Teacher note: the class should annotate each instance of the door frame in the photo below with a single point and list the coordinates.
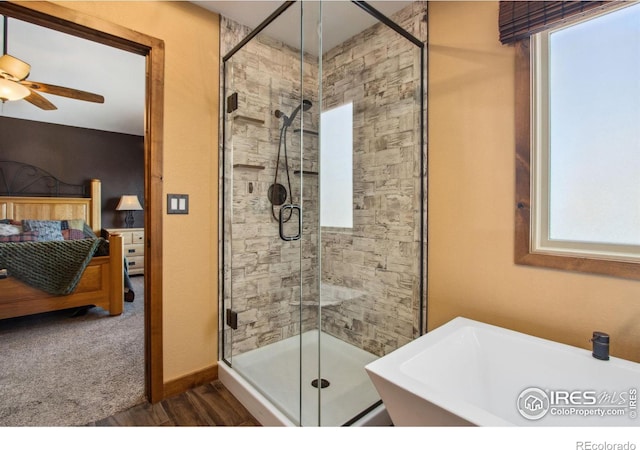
(75, 23)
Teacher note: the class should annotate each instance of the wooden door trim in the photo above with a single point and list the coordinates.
(78, 24)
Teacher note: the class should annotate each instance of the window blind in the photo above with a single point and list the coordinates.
(520, 19)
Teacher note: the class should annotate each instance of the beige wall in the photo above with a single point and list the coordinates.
(471, 200)
(191, 35)
(471, 196)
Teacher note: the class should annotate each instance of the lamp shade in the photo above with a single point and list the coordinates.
(10, 90)
(129, 203)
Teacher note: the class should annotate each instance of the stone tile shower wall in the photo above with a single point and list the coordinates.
(266, 271)
(371, 274)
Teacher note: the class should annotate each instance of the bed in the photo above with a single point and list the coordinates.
(101, 283)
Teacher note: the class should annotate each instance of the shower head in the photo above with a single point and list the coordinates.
(306, 105)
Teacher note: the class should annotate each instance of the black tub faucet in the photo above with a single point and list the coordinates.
(600, 342)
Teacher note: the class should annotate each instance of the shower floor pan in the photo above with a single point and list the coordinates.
(267, 382)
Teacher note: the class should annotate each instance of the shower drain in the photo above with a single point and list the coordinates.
(323, 383)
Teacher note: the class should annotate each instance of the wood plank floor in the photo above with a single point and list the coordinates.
(209, 405)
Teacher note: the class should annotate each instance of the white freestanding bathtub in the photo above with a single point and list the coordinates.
(471, 373)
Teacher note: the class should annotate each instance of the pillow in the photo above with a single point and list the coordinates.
(72, 224)
(70, 234)
(48, 230)
(74, 229)
(7, 229)
(27, 236)
(80, 225)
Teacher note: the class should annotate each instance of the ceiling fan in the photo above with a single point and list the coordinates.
(15, 86)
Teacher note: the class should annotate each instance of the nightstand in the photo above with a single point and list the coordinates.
(133, 246)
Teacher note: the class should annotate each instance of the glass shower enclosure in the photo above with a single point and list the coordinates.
(323, 202)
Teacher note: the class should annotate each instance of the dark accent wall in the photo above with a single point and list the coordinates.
(76, 155)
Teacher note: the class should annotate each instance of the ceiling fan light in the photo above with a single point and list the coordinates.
(14, 68)
(10, 90)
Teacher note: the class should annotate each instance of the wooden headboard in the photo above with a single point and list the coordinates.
(56, 208)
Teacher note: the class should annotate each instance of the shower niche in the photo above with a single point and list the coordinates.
(323, 249)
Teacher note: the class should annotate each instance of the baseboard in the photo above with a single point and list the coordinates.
(190, 381)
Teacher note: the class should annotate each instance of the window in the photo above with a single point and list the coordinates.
(336, 167)
(586, 144)
(580, 152)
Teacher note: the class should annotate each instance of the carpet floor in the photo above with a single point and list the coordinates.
(59, 370)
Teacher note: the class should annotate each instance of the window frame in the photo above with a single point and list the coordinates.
(541, 242)
(523, 253)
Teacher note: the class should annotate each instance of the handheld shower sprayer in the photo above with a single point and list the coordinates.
(277, 193)
(306, 105)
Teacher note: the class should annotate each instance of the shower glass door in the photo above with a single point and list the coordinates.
(264, 268)
(323, 194)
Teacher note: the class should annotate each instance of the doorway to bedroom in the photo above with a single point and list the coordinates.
(126, 338)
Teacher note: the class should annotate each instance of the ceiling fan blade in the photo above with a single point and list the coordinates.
(63, 91)
(38, 100)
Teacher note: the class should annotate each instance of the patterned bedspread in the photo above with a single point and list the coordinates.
(52, 266)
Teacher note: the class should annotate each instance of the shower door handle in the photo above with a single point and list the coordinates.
(281, 221)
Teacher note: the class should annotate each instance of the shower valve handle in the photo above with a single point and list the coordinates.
(281, 221)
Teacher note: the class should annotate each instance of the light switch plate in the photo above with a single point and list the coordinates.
(177, 204)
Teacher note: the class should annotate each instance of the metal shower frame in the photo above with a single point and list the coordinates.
(423, 165)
